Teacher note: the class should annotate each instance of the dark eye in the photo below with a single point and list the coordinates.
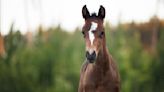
(101, 34)
(83, 33)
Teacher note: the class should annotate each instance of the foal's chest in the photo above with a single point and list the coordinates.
(92, 79)
(95, 80)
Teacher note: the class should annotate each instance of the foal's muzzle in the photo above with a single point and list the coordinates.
(91, 57)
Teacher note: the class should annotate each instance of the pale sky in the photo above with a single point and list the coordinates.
(28, 14)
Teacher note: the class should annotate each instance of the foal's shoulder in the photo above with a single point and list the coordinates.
(114, 68)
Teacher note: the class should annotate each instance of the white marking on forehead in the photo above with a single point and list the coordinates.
(92, 28)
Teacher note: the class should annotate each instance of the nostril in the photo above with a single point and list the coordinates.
(91, 56)
(94, 54)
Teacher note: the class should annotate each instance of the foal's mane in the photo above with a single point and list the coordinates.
(93, 15)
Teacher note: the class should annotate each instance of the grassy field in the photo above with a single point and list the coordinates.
(50, 60)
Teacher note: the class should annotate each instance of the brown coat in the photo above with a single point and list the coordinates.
(101, 76)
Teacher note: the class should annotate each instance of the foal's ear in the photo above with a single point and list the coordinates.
(85, 12)
(101, 13)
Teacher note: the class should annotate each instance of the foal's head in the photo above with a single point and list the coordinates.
(93, 32)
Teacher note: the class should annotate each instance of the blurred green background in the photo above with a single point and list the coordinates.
(50, 60)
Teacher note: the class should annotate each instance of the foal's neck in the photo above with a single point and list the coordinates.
(103, 58)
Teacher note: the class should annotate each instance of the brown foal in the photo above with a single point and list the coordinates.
(99, 72)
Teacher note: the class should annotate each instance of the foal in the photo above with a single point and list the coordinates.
(99, 72)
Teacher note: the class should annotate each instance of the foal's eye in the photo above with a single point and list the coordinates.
(83, 33)
(101, 34)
